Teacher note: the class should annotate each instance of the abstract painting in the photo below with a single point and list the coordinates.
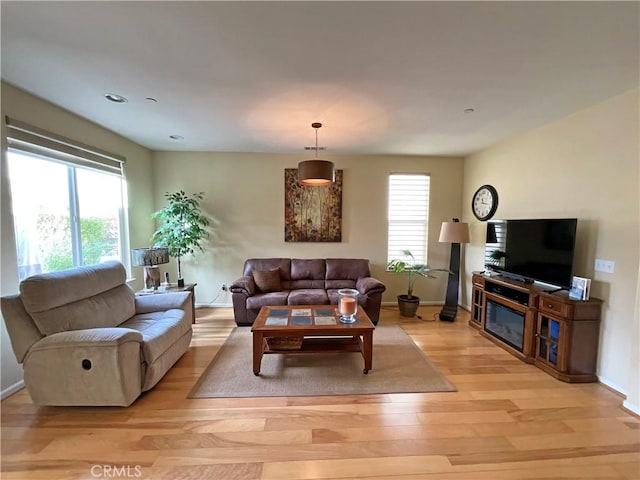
(312, 214)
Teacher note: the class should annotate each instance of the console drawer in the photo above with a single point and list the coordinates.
(555, 306)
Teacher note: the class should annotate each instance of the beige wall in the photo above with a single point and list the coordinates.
(585, 166)
(27, 108)
(244, 193)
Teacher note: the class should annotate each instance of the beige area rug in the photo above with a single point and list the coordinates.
(399, 366)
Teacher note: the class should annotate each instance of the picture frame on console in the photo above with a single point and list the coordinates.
(580, 288)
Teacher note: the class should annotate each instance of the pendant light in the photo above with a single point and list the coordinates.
(316, 173)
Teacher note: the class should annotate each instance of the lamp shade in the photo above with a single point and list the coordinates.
(144, 257)
(316, 173)
(454, 232)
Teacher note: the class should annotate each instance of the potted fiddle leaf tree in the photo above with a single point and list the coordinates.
(408, 303)
(182, 226)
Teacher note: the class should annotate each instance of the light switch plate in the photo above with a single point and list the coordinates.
(605, 266)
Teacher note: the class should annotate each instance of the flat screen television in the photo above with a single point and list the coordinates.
(532, 250)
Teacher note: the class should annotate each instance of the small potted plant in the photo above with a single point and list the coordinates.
(408, 304)
(182, 226)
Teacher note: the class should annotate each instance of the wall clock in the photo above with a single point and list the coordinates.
(484, 202)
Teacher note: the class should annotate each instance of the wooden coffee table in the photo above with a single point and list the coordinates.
(316, 329)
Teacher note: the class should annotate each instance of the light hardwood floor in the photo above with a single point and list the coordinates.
(508, 420)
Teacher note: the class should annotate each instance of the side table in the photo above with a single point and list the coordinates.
(188, 287)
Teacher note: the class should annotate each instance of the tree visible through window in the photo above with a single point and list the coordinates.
(64, 215)
(408, 216)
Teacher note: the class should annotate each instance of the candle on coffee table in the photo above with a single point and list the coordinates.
(347, 306)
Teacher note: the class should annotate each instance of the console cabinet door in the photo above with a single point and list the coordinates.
(477, 307)
(551, 337)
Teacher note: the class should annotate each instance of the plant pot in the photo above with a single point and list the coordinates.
(407, 305)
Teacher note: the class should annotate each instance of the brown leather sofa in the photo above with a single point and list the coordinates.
(294, 281)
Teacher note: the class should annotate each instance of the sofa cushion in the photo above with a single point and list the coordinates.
(347, 268)
(267, 280)
(308, 296)
(108, 309)
(296, 284)
(160, 330)
(91, 296)
(343, 283)
(283, 264)
(260, 300)
(307, 269)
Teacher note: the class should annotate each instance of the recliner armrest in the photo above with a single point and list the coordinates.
(89, 337)
(369, 285)
(162, 302)
(244, 285)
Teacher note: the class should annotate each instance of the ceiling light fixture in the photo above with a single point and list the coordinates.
(316, 173)
(114, 97)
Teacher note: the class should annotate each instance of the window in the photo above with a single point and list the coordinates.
(496, 243)
(408, 215)
(66, 211)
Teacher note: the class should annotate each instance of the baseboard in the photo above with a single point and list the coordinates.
(429, 303)
(11, 389)
(631, 408)
(617, 389)
(612, 386)
(210, 305)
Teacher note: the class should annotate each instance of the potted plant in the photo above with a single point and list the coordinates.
(408, 304)
(182, 226)
(496, 257)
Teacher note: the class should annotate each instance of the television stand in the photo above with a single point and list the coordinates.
(555, 333)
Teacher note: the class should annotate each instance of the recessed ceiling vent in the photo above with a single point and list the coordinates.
(114, 97)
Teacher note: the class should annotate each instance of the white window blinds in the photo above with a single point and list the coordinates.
(408, 215)
(30, 139)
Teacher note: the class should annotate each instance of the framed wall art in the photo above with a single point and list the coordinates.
(312, 214)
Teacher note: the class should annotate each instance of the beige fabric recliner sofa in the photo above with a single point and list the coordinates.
(84, 338)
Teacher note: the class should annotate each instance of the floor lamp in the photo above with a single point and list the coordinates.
(455, 233)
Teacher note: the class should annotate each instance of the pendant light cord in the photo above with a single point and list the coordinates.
(316, 125)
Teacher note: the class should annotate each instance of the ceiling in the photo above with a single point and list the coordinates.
(383, 77)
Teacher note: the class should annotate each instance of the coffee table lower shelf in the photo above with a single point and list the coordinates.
(353, 344)
(322, 345)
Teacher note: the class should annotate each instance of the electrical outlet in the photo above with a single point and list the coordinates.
(606, 266)
(224, 287)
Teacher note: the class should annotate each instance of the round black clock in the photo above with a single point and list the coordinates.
(484, 202)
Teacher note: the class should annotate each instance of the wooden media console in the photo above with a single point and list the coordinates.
(557, 334)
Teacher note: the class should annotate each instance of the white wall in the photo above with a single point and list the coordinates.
(586, 166)
(138, 170)
(244, 193)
